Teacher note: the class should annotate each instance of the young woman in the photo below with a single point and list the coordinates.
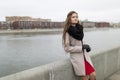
(73, 44)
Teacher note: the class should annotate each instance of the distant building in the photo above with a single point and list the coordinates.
(117, 25)
(88, 24)
(102, 24)
(36, 25)
(4, 25)
(12, 19)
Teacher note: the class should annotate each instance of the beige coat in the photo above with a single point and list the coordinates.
(74, 47)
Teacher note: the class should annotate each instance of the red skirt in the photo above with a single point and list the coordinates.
(88, 68)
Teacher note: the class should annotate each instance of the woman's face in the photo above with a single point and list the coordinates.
(74, 18)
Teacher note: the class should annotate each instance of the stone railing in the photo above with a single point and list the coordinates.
(106, 63)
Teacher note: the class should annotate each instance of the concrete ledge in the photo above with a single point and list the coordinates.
(106, 63)
(60, 70)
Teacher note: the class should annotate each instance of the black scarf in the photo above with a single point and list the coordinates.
(76, 31)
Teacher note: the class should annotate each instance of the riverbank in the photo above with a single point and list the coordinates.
(24, 31)
(44, 31)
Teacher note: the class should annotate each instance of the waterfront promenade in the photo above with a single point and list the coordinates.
(108, 57)
(106, 63)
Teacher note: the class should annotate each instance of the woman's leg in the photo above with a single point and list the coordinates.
(85, 77)
(93, 76)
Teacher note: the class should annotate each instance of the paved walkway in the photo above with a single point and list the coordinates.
(115, 76)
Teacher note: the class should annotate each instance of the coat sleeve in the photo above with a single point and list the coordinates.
(71, 49)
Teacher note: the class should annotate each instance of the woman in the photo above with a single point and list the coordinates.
(73, 44)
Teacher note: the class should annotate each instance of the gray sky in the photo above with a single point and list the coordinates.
(93, 10)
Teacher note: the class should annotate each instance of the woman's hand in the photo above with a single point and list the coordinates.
(87, 47)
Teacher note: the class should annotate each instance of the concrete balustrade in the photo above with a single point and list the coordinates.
(106, 63)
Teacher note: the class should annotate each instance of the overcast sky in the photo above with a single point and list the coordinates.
(93, 10)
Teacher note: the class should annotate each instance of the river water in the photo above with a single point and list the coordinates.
(19, 52)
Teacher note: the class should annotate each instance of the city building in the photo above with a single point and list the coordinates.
(88, 24)
(12, 19)
(4, 25)
(102, 24)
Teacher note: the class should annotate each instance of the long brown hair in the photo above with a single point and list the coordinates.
(66, 26)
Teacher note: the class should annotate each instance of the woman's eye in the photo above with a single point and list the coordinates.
(75, 17)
